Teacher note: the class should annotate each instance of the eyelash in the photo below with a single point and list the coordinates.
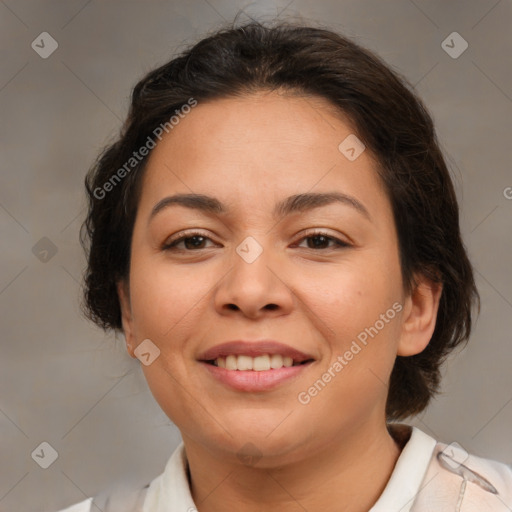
(338, 244)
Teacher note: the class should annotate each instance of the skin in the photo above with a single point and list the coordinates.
(334, 453)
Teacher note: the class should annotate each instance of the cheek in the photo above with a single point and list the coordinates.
(166, 298)
(358, 305)
(176, 395)
(351, 296)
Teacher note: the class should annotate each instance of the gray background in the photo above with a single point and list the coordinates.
(65, 382)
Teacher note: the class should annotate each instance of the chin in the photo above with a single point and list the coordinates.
(268, 447)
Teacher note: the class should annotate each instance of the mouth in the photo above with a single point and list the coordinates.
(254, 366)
(261, 363)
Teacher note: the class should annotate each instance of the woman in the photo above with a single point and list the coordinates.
(276, 234)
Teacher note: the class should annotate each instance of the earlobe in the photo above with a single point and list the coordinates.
(420, 316)
(126, 316)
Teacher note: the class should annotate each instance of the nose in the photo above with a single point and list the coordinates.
(254, 287)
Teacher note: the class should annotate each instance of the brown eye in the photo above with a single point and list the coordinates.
(320, 240)
(194, 242)
(191, 242)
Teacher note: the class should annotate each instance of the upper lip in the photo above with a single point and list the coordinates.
(253, 349)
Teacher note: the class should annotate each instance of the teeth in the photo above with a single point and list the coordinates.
(258, 363)
(244, 363)
(276, 361)
(231, 363)
(261, 363)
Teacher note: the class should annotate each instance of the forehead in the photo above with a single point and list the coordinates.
(277, 121)
(261, 145)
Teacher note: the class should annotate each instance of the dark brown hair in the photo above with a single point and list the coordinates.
(387, 116)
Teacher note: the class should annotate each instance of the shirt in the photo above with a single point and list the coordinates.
(427, 476)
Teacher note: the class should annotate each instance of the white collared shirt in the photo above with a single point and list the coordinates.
(170, 491)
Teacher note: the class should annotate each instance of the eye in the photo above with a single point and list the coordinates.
(196, 240)
(191, 241)
(321, 240)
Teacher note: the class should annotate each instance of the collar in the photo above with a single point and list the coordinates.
(410, 469)
(171, 490)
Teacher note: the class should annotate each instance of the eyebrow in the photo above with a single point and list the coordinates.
(293, 204)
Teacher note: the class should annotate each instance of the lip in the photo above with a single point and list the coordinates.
(252, 381)
(253, 349)
(249, 380)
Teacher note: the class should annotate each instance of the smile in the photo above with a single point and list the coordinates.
(260, 378)
(259, 363)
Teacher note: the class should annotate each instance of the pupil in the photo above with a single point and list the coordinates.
(323, 240)
(188, 245)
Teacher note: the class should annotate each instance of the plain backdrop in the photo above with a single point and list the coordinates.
(65, 382)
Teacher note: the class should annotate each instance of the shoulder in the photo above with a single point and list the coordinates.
(430, 475)
(129, 495)
(121, 496)
(83, 506)
(455, 477)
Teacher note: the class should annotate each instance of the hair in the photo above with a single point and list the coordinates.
(388, 117)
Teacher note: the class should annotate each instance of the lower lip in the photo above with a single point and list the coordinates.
(249, 380)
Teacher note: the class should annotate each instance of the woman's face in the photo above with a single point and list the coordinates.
(319, 275)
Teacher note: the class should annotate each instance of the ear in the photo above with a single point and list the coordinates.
(126, 316)
(420, 315)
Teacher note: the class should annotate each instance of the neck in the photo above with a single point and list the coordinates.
(348, 473)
